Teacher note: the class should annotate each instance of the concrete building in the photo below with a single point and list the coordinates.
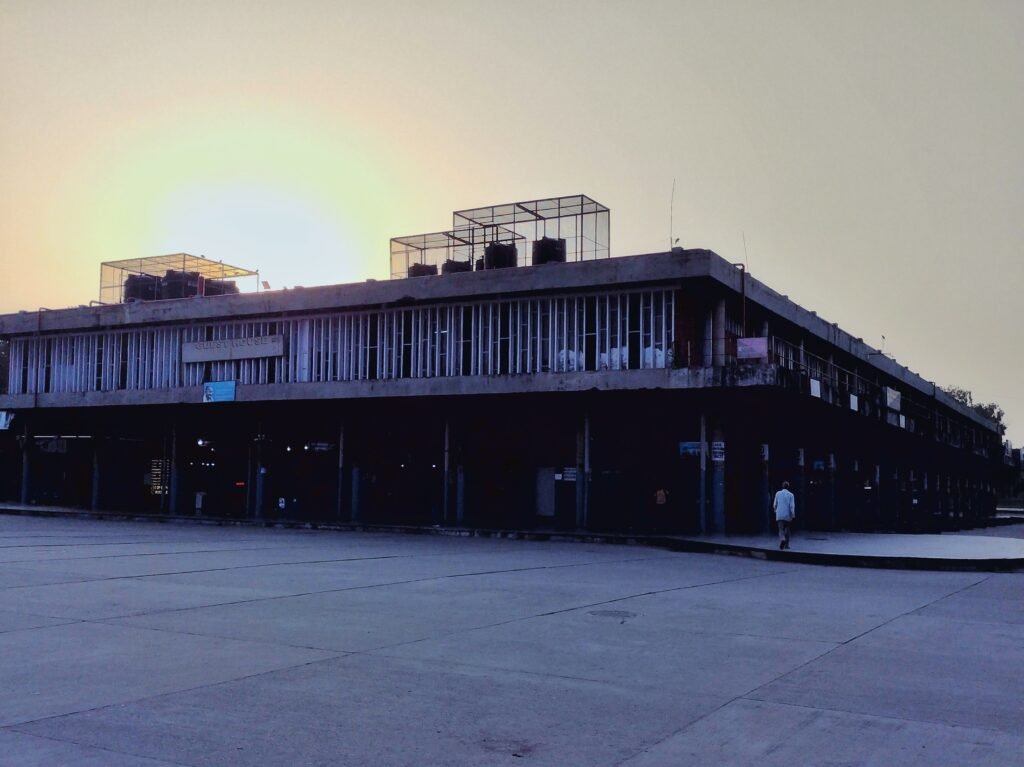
(668, 391)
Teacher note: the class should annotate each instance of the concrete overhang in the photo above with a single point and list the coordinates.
(605, 380)
(644, 269)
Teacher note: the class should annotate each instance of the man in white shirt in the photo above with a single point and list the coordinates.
(785, 512)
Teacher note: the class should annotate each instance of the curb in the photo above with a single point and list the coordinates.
(672, 543)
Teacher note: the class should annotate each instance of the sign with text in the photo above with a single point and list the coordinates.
(219, 391)
(718, 452)
(6, 416)
(232, 349)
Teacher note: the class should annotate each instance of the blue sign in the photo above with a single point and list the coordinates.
(219, 391)
(690, 448)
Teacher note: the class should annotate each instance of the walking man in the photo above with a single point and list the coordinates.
(785, 512)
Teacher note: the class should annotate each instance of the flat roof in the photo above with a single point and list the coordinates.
(156, 266)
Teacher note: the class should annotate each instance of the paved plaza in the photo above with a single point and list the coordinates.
(127, 644)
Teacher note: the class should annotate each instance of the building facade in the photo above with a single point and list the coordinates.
(669, 392)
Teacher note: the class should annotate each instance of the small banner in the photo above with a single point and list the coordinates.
(219, 391)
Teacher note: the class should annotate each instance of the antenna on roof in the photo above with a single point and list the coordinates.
(671, 217)
(746, 259)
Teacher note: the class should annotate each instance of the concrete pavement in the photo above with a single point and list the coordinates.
(163, 644)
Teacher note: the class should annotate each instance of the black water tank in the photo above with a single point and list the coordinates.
(498, 255)
(220, 288)
(141, 287)
(549, 250)
(451, 267)
(422, 270)
(177, 284)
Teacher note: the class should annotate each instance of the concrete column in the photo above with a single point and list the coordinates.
(26, 467)
(261, 475)
(801, 485)
(173, 481)
(765, 494)
(830, 512)
(446, 475)
(356, 510)
(709, 338)
(94, 496)
(581, 512)
(460, 496)
(339, 506)
(702, 503)
(718, 481)
(719, 330)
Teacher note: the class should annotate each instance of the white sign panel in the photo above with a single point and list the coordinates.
(854, 402)
(232, 349)
(718, 452)
(815, 387)
(892, 398)
(6, 416)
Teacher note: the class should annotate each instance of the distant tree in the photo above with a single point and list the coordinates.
(989, 410)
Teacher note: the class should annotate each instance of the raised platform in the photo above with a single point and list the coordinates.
(982, 551)
(947, 551)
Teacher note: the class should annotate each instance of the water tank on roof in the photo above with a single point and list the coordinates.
(549, 250)
(176, 284)
(422, 270)
(451, 267)
(499, 255)
(141, 287)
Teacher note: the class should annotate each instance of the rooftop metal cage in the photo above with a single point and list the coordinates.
(554, 229)
(177, 275)
(445, 252)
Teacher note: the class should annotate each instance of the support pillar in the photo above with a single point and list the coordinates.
(94, 496)
(339, 509)
(356, 511)
(581, 512)
(26, 467)
(460, 496)
(718, 457)
(261, 475)
(719, 332)
(801, 485)
(446, 475)
(765, 494)
(583, 475)
(708, 352)
(830, 512)
(174, 481)
(702, 501)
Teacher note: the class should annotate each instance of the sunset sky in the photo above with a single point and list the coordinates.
(872, 153)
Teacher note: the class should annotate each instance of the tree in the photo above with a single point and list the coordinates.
(989, 410)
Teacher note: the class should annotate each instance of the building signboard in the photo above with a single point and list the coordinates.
(219, 391)
(232, 349)
(752, 348)
(892, 398)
